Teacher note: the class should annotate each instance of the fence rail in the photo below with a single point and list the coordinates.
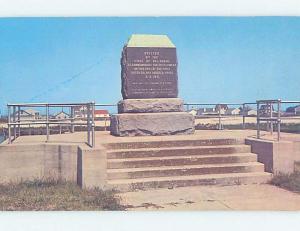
(14, 119)
(268, 116)
(221, 115)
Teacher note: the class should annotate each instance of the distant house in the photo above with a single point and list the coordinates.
(213, 111)
(28, 114)
(61, 115)
(233, 111)
(101, 114)
(80, 112)
(206, 111)
(222, 108)
(294, 110)
(251, 112)
(247, 111)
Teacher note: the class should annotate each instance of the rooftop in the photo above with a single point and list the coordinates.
(101, 111)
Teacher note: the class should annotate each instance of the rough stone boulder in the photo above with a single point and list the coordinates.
(150, 105)
(152, 124)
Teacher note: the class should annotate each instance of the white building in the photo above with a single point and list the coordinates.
(233, 111)
(80, 112)
(252, 112)
(61, 115)
(28, 114)
(101, 114)
(207, 111)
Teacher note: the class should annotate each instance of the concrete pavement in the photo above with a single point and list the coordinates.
(237, 197)
(103, 137)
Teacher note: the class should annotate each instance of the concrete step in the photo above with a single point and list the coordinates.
(133, 173)
(181, 181)
(177, 151)
(181, 160)
(173, 143)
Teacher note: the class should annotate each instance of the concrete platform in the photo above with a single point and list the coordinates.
(186, 160)
(237, 197)
(104, 137)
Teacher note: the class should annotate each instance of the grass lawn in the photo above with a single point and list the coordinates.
(51, 195)
(288, 181)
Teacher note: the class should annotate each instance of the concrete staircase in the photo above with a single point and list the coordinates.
(156, 164)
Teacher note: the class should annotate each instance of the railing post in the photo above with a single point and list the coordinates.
(47, 120)
(257, 121)
(93, 124)
(72, 119)
(267, 114)
(244, 126)
(8, 124)
(19, 118)
(88, 124)
(14, 121)
(271, 116)
(220, 126)
(278, 119)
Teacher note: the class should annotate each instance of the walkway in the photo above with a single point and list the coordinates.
(237, 197)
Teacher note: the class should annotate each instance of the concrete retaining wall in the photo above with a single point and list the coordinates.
(92, 165)
(80, 164)
(88, 167)
(25, 162)
(276, 156)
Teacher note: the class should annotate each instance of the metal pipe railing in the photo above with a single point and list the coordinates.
(12, 122)
(15, 123)
(93, 124)
(219, 115)
(257, 121)
(8, 124)
(47, 119)
(270, 119)
(278, 118)
(45, 122)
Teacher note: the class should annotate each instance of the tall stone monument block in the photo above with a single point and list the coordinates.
(150, 89)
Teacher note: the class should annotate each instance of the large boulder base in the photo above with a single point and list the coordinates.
(150, 105)
(152, 124)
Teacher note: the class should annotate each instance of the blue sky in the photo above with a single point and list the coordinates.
(221, 59)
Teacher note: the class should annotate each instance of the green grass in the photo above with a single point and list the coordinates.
(287, 181)
(45, 195)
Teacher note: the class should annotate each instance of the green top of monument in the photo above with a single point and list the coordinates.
(149, 40)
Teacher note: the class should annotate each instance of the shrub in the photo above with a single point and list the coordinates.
(287, 181)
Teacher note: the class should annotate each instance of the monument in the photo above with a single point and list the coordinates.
(150, 89)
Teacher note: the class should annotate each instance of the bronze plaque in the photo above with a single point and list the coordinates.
(149, 72)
